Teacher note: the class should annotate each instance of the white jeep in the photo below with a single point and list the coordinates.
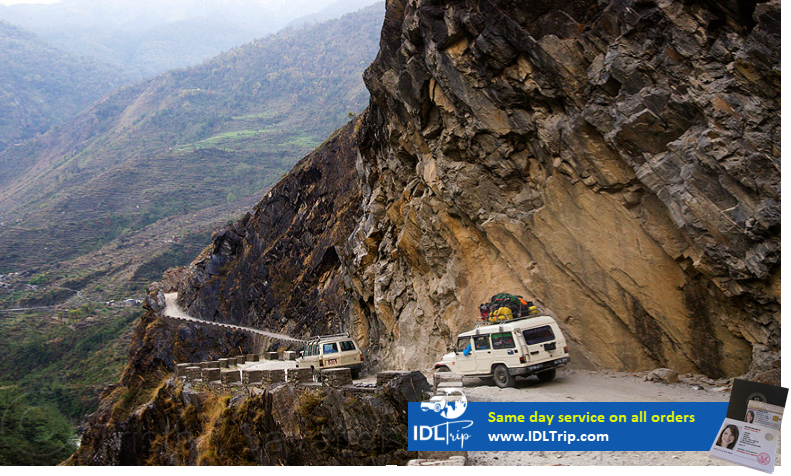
(327, 352)
(525, 346)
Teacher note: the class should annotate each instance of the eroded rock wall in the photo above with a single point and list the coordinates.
(280, 267)
(283, 424)
(616, 161)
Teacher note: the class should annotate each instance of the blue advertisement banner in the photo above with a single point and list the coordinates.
(536, 426)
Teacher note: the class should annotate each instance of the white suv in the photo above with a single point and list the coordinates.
(519, 347)
(327, 352)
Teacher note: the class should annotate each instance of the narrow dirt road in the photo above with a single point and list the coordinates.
(589, 386)
(173, 310)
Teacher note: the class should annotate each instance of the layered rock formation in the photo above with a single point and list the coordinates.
(617, 162)
(282, 425)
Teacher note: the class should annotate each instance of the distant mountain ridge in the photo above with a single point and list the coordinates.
(41, 86)
(149, 37)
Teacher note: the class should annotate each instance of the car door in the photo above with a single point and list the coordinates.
(465, 364)
(504, 348)
(540, 343)
(483, 354)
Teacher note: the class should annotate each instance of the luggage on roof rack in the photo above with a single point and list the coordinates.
(505, 306)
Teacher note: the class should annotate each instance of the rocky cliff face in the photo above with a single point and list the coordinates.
(616, 161)
(281, 425)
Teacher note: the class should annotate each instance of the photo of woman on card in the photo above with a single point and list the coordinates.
(750, 416)
(728, 437)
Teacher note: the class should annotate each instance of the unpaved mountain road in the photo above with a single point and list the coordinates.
(173, 310)
(589, 386)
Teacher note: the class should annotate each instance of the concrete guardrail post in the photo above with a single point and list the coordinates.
(252, 377)
(336, 377)
(230, 377)
(299, 375)
(210, 375)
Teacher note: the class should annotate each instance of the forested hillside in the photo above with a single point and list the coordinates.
(181, 142)
(41, 86)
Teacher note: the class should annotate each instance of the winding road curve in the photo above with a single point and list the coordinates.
(173, 311)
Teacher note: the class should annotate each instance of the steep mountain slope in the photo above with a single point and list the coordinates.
(41, 86)
(101, 206)
(619, 162)
(184, 141)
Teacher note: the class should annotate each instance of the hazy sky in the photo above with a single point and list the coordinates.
(13, 2)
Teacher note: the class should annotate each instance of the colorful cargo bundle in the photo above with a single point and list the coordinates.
(504, 307)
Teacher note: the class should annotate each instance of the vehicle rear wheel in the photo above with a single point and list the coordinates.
(443, 368)
(546, 375)
(502, 378)
(356, 373)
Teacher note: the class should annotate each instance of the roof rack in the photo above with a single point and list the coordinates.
(520, 318)
(328, 336)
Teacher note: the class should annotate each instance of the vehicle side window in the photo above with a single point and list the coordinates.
(330, 348)
(503, 341)
(482, 343)
(347, 345)
(462, 344)
(538, 335)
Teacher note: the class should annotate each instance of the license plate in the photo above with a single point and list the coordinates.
(332, 361)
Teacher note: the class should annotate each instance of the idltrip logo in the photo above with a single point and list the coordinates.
(450, 406)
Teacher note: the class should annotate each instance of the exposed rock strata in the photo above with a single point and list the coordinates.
(281, 425)
(279, 267)
(616, 161)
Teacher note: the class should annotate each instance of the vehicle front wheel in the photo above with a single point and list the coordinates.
(502, 378)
